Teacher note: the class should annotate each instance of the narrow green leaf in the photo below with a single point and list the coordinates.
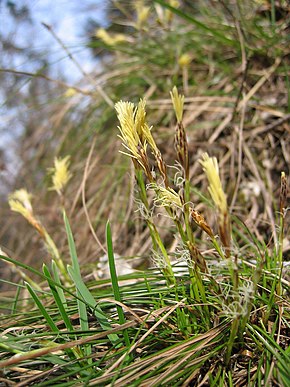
(114, 280)
(42, 309)
(72, 247)
(89, 299)
(58, 300)
(196, 22)
(82, 308)
(58, 288)
(34, 271)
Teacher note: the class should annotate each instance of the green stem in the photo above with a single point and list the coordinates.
(156, 240)
(234, 331)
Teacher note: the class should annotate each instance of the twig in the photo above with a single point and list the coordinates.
(83, 189)
(79, 67)
(43, 76)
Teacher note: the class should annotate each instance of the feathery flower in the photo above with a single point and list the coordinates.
(166, 197)
(23, 198)
(184, 60)
(19, 201)
(178, 102)
(142, 13)
(135, 132)
(211, 169)
(108, 39)
(60, 174)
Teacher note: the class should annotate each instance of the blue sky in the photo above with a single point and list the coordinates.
(67, 18)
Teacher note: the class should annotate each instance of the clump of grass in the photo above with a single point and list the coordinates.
(220, 315)
(211, 318)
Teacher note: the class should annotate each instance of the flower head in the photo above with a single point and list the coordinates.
(19, 201)
(20, 198)
(70, 92)
(135, 132)
(210, 166)
(142, 13)
(178, 101)
(184, 60)
(60, 174)
(108, 39)
(211, 169)
(166, 197)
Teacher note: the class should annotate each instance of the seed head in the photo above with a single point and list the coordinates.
(108, 39)
(60, 174)
(184, 60)
(211, 169)
(178, 101)
(19, 201)
(142, 13)
(135, 132)
(166, 197)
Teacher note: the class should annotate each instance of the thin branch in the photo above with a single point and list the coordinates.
(43, 76)
(79, 67)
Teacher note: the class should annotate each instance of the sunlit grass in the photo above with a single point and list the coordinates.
(207, 302)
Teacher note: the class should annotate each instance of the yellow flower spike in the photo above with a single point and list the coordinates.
(108, 39)
(135, 132)
(211, 169)
(174, 3)
(184, 60)
(22, 197)
(60, 174)
(129, 136)
(70, 93)
(142, 127)
(19, 201)
(17, 206)
(142, 13)
(178, 101)
(140, 116)
(166, 197)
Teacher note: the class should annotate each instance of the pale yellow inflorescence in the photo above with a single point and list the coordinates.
(184, 60)
(130, 137)
(60, 174)
(20, 201)
(142, 13)
(210, 167)
(166, 197)
(108, 39)
(178, 102)
(22, 196)
(135, 132)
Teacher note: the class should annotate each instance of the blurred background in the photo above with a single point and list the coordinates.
(63, 66)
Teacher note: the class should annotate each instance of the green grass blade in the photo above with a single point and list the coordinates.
(34, 271)
(14, 305)
(114, 280)
(58, 288)
(82, 290)
(58, 300)
(72, 247)
(88, 297)
(42, 309)
(219, 36)
(82, 308)
(270, 344)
